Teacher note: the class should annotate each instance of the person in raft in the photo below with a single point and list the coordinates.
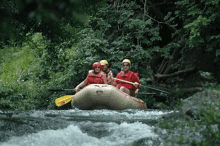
(108, 72)
(130, 76)
(95, 76)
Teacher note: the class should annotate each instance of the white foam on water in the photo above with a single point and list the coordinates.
(145, 114)
(37, 114)
(100, 128)
(127, 113)
(119, 134)
(70, 136)
(126, 133)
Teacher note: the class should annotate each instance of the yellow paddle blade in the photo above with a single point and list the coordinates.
(63, 100)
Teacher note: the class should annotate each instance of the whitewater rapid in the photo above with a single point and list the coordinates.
(80, 128)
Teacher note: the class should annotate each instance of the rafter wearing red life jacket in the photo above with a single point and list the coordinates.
(129, 76)
(95, 78)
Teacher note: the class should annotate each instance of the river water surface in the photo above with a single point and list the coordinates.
(76, 127)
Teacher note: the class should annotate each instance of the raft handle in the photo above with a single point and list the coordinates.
(99, 91)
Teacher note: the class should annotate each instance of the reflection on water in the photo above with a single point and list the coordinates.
(80, 127)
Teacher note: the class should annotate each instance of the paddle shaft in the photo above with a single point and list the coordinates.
(61, 89)
(142, 85)
(123, 81)
(155, 89)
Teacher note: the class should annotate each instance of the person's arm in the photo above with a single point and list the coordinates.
(81, 85)
(104, 79)
(115, 82)
(135, 79)
(110, 80)
(109, 77)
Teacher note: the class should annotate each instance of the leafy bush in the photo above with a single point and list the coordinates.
(21, 84)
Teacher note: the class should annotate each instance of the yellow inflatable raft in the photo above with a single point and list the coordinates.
(103, 96)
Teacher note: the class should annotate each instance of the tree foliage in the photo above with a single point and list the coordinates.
(162, 39)
(200, 23)
(49, 17)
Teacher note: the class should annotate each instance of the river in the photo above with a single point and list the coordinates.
(76, 127)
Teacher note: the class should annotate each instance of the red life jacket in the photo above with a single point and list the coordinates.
(130, 76)
(95, 78)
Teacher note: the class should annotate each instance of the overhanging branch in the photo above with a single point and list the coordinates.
(159, 76)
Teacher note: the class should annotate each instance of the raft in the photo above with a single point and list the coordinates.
(103, 96)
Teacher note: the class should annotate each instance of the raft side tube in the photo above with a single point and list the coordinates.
(103, 96)
(81, 99)
(99, 96)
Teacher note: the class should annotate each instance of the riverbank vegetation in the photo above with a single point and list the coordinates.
(172, 45)
(203, 129)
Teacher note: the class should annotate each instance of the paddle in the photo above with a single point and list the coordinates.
(63, 100)
(61, 89)
(143, 93)
(162, 92)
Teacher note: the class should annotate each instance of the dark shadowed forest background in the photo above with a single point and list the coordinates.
(52, 44)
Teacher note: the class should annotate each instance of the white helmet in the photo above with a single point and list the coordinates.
(126, 61)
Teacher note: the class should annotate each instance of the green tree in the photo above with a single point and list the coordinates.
(19, 17)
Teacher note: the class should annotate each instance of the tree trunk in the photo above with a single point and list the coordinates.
(159, 76)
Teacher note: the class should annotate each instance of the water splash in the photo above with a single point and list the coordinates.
(78, 127)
